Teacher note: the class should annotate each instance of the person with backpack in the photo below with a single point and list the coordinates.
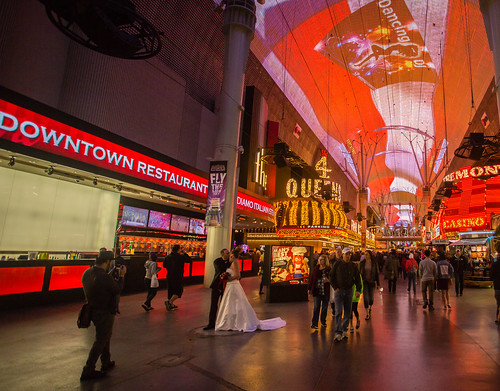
(444, 275)
(411, 272)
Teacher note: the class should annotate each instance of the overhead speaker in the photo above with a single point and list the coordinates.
(346, 206)
(281, 161)
(281, 149)
(448, 192)
(111, 27)
(359, 216)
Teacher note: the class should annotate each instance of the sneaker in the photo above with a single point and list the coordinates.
(425, 306)
(351, 329)
(146, 308)
(358, 323)
(174, 306)
(323, 324)
(314, 327)
(449, 306)
(444, 307)
(344, 335)
(338, 337)
(107, 366)
(150, 308)
(91, 374)
(367, 317)
(168, 306)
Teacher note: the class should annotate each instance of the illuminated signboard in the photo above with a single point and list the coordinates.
(472, 172)
(260, 175)
(290, 265)
(315, 187)
(37, 131)
(466, 222)
(22, 126)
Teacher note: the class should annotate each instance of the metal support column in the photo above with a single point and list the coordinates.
(239, 27)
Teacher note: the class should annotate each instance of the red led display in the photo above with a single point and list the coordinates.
(66, 277)
(198, 268)
(162, 274)
(15, 280)
(247, 264)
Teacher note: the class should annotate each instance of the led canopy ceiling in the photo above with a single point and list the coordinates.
(380, 69)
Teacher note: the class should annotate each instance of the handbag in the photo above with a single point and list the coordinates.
(84, 317)
(154, 281)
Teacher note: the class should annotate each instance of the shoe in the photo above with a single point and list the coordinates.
(323, 324)
(338, 337)
(107, 366)
(261, 293)
(431, 308)
(344, 335)
(358, 323)
(449, 306)
(314, 327)
(146, 308)
(425, 306)
(460, 294)
(444, 307)
(174, 306)
(351, 329)
(168, 306)
(91, 374)
(150, 308)
(209, 327)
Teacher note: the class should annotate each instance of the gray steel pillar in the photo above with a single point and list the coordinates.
(239, 27)
(491, 16)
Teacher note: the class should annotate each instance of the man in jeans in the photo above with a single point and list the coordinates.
(428, 274)
(343, 276)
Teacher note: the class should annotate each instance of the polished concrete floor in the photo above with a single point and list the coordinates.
(402, 347)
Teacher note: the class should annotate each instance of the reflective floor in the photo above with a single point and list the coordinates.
(402, 347)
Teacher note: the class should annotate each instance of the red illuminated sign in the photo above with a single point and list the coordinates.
(34, 130)
(15, 280)
(66, 277)
(25, 127)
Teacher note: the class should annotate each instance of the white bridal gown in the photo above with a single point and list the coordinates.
(236, 313)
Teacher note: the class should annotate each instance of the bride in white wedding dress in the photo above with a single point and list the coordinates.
(235, 312)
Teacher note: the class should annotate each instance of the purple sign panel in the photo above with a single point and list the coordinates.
(216, 193)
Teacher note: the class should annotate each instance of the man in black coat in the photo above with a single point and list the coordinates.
(101, 291)
(459, 263)
(221, 264)
(174, 263)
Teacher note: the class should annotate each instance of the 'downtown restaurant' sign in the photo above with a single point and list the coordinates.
(30, 129)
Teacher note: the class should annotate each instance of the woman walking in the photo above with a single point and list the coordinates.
(391, 271)
(368, 269)
(319, 288)
(151, 274)
(445, 271)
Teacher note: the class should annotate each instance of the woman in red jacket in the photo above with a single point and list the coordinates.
(319, 288)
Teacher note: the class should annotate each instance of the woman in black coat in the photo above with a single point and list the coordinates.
(319, 288)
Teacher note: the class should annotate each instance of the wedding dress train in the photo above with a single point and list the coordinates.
(236, 313)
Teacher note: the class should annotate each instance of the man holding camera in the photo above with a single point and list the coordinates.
(101, 291)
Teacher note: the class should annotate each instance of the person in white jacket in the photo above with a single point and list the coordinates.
(151, 270)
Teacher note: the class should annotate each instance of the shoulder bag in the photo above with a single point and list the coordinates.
(154, 281)
(84, 317)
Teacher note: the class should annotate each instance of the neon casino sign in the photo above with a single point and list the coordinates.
(313, 187)
(473, 172)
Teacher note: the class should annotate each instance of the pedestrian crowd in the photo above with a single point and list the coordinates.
(338, 280)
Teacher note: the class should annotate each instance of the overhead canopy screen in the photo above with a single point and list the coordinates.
(367, 71)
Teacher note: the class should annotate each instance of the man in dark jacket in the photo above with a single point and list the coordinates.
(459, 263)
(221, 264)
(342, 278)
(101, 291)
(174, 263)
